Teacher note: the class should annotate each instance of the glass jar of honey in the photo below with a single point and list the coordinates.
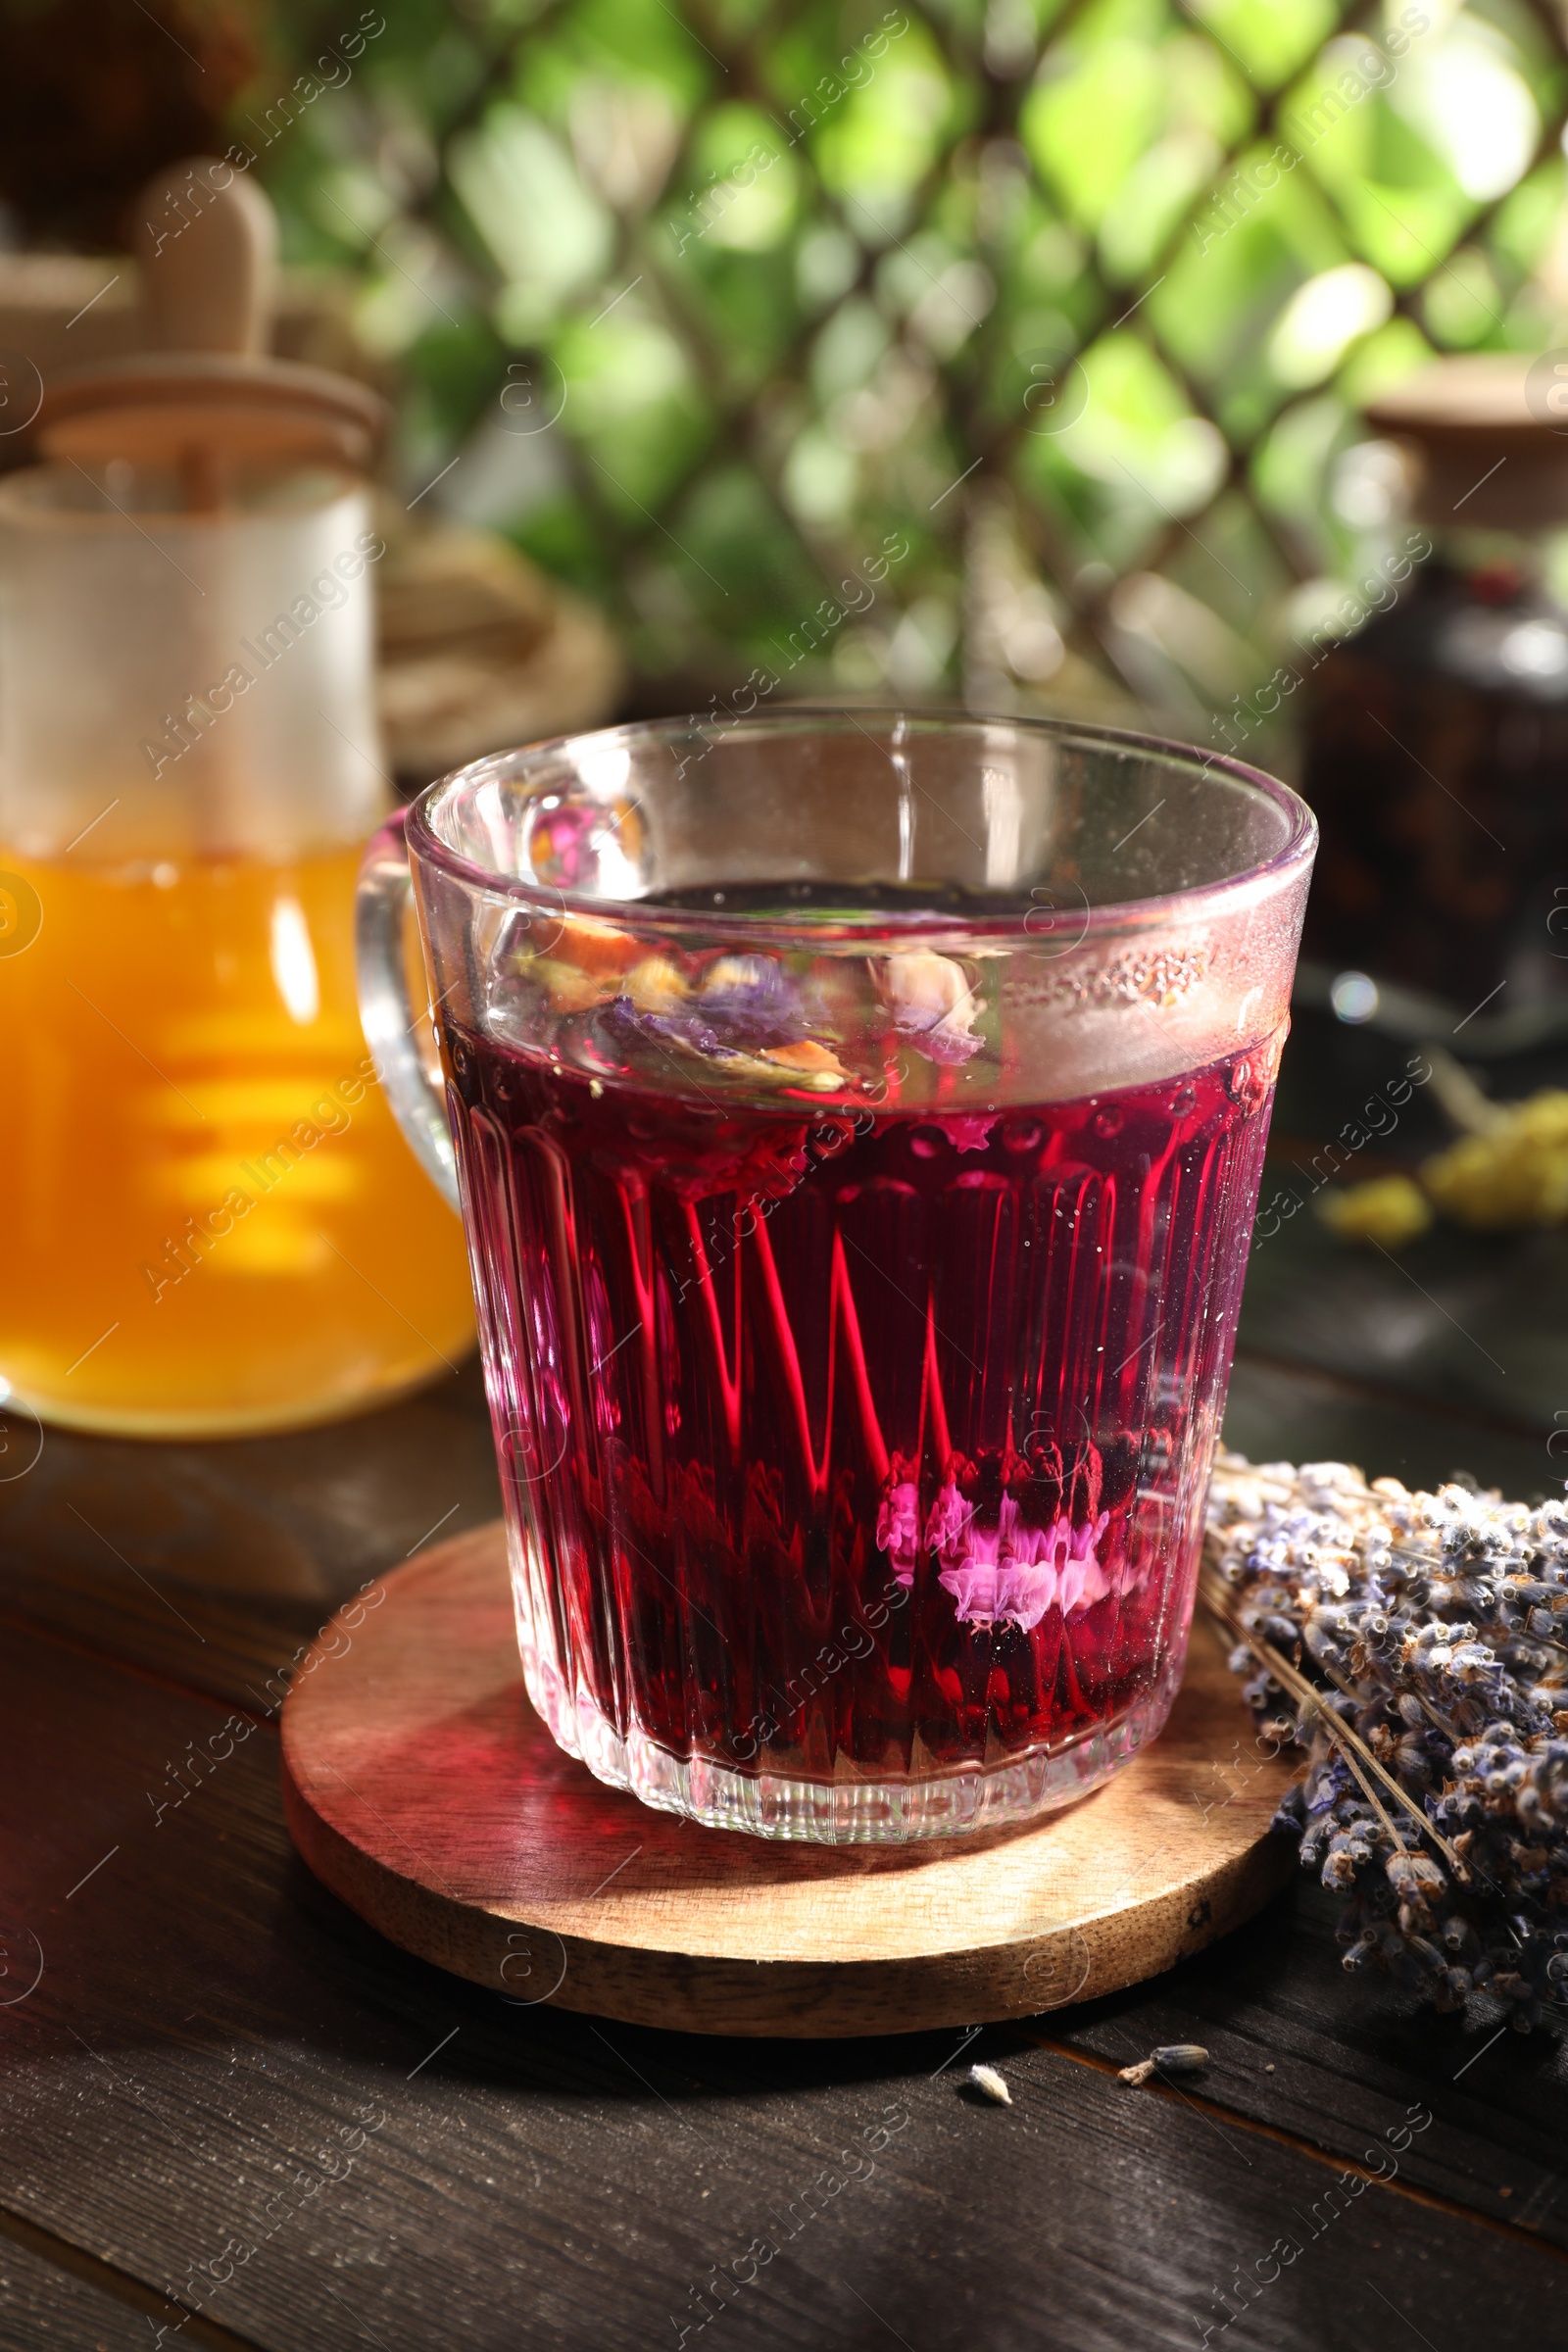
(212, 1224)
(1437, 735)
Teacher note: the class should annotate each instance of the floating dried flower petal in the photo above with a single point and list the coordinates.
(745, 1019)
(596, 945)
(809, 1064)
(656, 986)
(931, 1003)
(568, 988)
(752, 1001)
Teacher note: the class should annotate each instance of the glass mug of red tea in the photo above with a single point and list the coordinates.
(857, 1121)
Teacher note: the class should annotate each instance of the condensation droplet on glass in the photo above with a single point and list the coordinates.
(926, 1142)
(1107, 1121)
(1019, 1135)
(1182, 1101)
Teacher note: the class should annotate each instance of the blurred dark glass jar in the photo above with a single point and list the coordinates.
(1436, 736)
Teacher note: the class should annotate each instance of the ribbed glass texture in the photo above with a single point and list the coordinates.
(863, 1503)
(859, 1119)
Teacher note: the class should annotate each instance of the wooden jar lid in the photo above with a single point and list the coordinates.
(1490, 452)
(152, 409)
(205, 397)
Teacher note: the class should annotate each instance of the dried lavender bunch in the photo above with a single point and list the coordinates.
(1415, 1646)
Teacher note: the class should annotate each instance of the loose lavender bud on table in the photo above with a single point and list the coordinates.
(1171, 2058)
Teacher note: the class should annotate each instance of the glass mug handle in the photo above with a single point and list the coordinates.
(381, 915)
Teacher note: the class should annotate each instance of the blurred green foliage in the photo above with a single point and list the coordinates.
(709, 300)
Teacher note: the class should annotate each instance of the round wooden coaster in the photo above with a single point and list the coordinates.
(422, 1787)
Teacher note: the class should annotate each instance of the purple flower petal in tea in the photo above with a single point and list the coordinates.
(949, 1042)
(685, 1030)
(745, 1020)
(932, 1003)
(656, 1005)
(752, 1001)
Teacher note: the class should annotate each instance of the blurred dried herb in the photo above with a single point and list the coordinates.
(1415, 1647)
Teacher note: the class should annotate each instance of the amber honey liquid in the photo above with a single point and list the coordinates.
(210, 1222)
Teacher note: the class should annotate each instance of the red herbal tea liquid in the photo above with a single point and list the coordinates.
(855, 1442)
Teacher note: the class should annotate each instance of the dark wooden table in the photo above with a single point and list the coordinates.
(230, 2115)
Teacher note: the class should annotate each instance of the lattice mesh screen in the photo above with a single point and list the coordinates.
(1008, 348)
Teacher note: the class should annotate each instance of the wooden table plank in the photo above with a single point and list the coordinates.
(1279, 1411)
(210, 2024)
(51, 2300)
(1469, 1322)
(292, 1521)
(213, 1563)
(212, 2032)
(1331, 2060)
